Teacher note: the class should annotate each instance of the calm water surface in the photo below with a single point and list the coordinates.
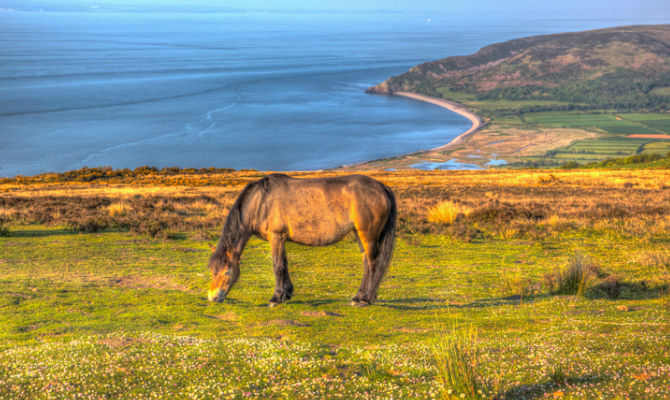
(247, 90)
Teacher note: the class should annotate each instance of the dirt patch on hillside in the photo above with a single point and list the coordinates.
(321, 313)
(149, 282)
(227, 316)
(121, 341)
(285, 322)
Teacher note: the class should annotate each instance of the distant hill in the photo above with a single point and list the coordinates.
(616, 68)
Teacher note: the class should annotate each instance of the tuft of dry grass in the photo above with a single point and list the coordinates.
(655, 259)
(507, 232)
(517, 285)
(658, 261)
(119, 209)
(4, 229)
(457, 356)
(553, 220)
(446, 212)
(580, 274)
(548, 179)
(558, 376)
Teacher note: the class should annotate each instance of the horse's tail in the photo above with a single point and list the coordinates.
(386, 241)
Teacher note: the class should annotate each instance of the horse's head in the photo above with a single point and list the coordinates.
(225, 271)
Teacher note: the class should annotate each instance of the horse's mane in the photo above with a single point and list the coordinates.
(235, 226)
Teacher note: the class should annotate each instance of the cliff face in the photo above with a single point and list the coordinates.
(617, 66)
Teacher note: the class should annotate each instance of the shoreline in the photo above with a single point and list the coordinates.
(457, 108)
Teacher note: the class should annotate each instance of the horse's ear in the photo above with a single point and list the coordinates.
(211, 246)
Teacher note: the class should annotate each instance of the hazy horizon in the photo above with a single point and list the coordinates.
(234, 89)
(592, 9)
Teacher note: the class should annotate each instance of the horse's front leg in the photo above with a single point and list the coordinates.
(283, 285)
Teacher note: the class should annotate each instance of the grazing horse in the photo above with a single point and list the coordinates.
(313, 212)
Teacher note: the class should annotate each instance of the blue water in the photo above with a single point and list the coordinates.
(449, 164)
(268, 91)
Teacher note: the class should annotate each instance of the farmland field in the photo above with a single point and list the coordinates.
(610, 123)
(89, 309)
(613, 141)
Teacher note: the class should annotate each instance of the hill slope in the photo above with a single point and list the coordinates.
(623, 68)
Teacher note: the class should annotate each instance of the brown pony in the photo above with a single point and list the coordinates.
(313, 212)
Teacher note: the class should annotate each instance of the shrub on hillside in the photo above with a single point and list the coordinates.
(4, 229)
(88, 225)
(446, 212)
(580, 274)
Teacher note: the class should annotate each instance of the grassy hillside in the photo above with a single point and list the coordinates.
(103, 278)
(552, 100)
(618, 68)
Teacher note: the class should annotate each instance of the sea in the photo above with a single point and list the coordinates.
(258, 90)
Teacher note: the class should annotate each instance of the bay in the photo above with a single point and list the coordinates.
(261, 90)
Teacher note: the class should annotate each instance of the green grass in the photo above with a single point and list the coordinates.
(614, 141)
(613, 127)
(610, 123)
(116, 315)
(642, 117)
(662, 125)
(567, 120)
(661, 91)
(620, 124)
(661, 147)
(455, 96)
(599, 149)
(506, 106)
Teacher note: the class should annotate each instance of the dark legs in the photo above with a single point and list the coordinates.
(356, 300)
(283, 285)
(372, 272)
(374, 281)
(372, 275)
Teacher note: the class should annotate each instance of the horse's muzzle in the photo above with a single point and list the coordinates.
(216, 295)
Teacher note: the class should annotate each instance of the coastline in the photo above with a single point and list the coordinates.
(459, 109)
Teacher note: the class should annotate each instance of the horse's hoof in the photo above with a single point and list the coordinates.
(273, 304)
(359, 303)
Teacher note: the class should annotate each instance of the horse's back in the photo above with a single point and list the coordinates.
(351, 185)
(321, 211)
(336, 193)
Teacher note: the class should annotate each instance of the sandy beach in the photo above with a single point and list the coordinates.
(451, 106)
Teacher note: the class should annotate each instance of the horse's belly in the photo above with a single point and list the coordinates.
(319, 233)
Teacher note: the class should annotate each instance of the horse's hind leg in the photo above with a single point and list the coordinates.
(288, 285)
(283, 285)
(368, 292)
(366, 273)
(375, 280)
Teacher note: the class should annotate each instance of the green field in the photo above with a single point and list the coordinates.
(660, 147)
(614, 129)
(114, 315)
(498, 108)
(93, 306)
(661, 91)
(623, 124)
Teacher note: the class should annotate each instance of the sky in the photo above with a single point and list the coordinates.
(556, 7)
